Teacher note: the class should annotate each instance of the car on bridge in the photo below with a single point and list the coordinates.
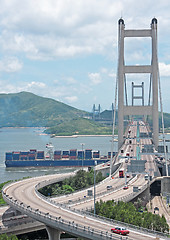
(125, 187)
(120, 230)
(109, 187)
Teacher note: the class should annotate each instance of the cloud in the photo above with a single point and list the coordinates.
(35, 84)
(50, 29)
(71, 99)
(104, 70)
(95, 78)
(75, 38)
(67, 28)
(112, 74)
(71, 80)
(10, 64)
(164, 69)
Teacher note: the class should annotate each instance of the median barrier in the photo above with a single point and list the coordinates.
(62, 224)
(130, 226)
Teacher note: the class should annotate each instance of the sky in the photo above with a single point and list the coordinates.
(68, 49)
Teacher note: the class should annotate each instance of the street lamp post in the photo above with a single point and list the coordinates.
(82, 144)
(95, 163)
(125, 178)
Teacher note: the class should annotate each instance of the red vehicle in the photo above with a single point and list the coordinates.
(121, 174)
(120, 230)
(125, 187)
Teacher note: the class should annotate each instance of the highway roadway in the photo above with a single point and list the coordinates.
(24, 192)
(23, 196)
(160, 203)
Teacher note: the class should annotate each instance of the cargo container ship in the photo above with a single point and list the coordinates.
(55, 158)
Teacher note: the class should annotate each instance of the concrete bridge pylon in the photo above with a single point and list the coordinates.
(53, 234)
(151, 69)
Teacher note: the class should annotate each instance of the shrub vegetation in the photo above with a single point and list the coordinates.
(127, 212)
(81, 180)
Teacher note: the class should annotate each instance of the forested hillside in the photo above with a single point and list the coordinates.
(26, 109)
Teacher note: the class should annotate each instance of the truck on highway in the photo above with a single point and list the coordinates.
(121, 173)
(146, 177)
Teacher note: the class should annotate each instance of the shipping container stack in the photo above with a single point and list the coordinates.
(103, 157)
(88, 154)
(40, 155)
(96, 154)
(9, 156)
(15, 155)
(57, 155)
(80, 154)
(73, 154)
(32, 154)
(23, 156)
(109, 154)
(65, 155)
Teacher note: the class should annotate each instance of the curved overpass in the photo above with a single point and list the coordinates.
(24, 197)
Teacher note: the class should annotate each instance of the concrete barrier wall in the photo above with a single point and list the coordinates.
(165, 185)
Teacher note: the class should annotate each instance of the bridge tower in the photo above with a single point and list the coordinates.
(123, 69)
(96, 112)
(137, 97)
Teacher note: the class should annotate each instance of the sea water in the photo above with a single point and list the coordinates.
(24, 139)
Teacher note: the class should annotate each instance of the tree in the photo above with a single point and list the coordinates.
(81, 180)
(6, 237)
(99, 177)
(67, 189)
(126, 212)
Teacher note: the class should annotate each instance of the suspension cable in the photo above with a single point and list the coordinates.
(114, 107)
(149, 100)
(126, 98)
(113, 129)
(163, 128)
(162, 117)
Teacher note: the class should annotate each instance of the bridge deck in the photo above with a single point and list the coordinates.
(23, 195)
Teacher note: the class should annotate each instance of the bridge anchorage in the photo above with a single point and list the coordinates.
(136, 156)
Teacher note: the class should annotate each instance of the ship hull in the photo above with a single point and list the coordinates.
(53, 163)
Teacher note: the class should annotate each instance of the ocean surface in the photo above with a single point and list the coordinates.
(24, 139)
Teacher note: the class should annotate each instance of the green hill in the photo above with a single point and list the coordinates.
(79, 126)
(26, 109)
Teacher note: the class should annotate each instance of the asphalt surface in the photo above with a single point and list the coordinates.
(24, 191)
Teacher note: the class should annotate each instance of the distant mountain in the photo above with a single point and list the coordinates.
(26, 109)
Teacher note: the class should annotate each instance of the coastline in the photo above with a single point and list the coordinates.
(38, 129)
(75, 136)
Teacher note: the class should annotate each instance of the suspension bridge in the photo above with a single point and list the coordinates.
(138, 148)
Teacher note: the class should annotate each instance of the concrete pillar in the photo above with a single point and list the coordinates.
(155, 114)
(53, 234)
(121, 83)
(165, 185)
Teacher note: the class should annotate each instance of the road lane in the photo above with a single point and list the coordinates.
(24, 192)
